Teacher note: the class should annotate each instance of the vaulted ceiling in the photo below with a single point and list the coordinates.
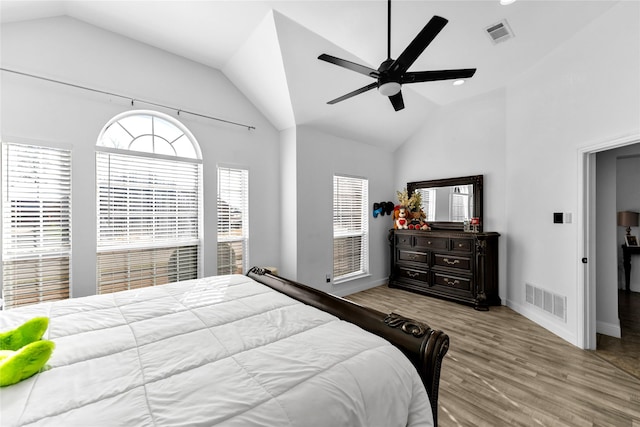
(269, 49)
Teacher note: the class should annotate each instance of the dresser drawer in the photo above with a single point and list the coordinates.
(446, 264)
(462, 245)
(460, 283)
(413, 274)
(450, 261)
(435, 243)
(403, 240)
(412, 256)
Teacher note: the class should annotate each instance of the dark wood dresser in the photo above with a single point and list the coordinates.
(454, 265)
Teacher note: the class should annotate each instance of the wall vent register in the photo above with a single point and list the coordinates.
(547, 301)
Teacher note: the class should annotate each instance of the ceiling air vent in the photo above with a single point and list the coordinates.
(499, 32)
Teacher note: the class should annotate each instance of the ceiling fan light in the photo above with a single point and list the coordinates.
(389, 88)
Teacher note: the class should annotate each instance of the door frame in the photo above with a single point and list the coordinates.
(586, 292)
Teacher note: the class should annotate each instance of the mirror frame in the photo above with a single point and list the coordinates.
(476, 180)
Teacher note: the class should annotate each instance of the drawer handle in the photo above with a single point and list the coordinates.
(451, 282)
(460, 245)
(413, 257)
(412, 275)
(454, 262)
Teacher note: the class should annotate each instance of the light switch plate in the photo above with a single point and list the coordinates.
(567, 217)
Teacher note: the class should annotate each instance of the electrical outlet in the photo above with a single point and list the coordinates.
(557, 217)
(328, 278)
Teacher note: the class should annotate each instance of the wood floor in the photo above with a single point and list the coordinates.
(504, 370)
(624, 352)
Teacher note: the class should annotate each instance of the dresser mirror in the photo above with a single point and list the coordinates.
(448, 203)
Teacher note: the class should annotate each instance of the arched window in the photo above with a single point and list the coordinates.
(149, 132)
(148, 174)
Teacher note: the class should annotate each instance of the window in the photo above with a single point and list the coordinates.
(148, 203)
(460, 203)
(350, 227)
(36, 216)
(428, 203)
(149, 133)
(233, 220)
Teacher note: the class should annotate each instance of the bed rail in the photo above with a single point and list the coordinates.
(423, 346)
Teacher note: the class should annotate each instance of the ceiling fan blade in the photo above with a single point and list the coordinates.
(397, 101)
(354, 93)
(418, 45)
(430, 76)
(350, 65)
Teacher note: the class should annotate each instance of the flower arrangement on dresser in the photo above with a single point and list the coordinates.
(408, 214)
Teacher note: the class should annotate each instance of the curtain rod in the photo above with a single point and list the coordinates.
(178, 110)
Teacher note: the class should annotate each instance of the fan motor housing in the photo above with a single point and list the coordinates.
(388, 86)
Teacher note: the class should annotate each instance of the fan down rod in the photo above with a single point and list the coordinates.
(388, 29)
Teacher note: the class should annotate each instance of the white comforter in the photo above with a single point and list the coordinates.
(221, 350)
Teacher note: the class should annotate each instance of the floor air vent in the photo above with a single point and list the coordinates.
(547, 301)
(499, 32)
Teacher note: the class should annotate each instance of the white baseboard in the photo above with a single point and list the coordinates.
(348, 289)
(610, 329)
(545, 320)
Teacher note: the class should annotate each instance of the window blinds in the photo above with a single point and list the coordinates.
(233, 220)
(459, 209)
(138, 268)
(350, 227)
(429, 203)
(148, 224)
(36, 216)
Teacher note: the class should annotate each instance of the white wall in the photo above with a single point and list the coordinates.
(288, 205)
(466, 138)
(296, 164)
(525, 140)
(38, 111)
(587, 91)
(319, 157)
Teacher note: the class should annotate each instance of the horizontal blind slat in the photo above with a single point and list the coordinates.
(148, 221)
(129, 269)
(36, 243)
(350, 226)
(233, 220)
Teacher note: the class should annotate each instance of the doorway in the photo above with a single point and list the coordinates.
(601, 310)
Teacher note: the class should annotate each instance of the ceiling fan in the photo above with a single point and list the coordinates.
(392, 74)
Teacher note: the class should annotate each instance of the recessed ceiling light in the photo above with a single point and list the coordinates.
(506, 2)
(458, 82)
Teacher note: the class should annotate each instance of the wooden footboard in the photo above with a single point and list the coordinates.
(423, 346)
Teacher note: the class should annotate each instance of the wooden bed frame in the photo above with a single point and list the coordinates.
(423, 346)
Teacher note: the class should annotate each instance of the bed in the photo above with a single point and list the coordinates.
(231, 350)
